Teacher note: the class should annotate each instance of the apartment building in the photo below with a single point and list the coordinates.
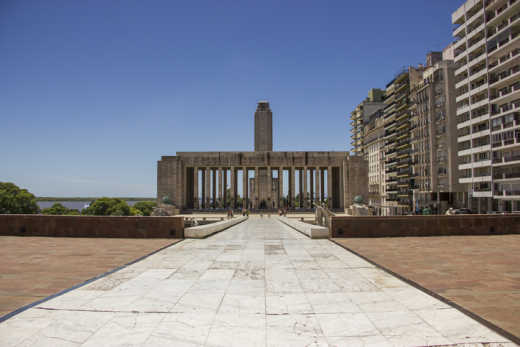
(398, 170)
(487, 87)
(434, 134)
(360, 116)
(373, 144)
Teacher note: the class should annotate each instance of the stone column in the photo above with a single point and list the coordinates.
(195, 187)
(322, 185)
(291, 187)
(317, 194)
(233, 187)
(269, 187)
(311, 186)
(214, 190)
(244, 188)
(207, 202)
(329, 186)
(220, 195)
(280, 186)
(305, 187)
(256, 200)
(300, 187)
(224, 189)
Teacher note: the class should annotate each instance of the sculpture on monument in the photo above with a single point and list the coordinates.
(358, 207)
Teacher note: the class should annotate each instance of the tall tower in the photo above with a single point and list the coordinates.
(263, 127)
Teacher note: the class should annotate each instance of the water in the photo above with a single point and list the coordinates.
(76, 205)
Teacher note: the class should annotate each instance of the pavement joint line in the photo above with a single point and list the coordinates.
(79, 285)
(447, 301)
(290, 226)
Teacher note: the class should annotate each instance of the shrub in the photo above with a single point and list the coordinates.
(146, 207)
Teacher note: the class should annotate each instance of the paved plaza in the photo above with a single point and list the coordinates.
(479, 273)
(32, 268)
(259, 283)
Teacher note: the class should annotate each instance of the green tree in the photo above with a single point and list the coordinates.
(16, 200)
(59, 209)
(145, 207)
(107, 207)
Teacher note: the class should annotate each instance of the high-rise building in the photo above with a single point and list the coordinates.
(398, 170)
(434, 134)
(487, 86)
(373, 142)
(361, 115)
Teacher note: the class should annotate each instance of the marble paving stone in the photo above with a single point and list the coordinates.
(288, 304)
(346, 324)
(128, 329)
(259, 283)
(332, 303)
(458, 327)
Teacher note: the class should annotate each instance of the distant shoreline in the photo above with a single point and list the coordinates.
(48, 198)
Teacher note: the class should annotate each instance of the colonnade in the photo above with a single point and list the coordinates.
(315, 185)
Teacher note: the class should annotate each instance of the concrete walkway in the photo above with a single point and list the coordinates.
(259, 283)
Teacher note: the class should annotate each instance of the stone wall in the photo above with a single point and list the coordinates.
(91, 226)
(424, 225)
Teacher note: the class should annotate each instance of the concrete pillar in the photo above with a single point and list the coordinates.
(311, 187)
(220, 185)
(207, 183)
(269, 188)
(224, 188)
(256, 201)
(322, 185)
(291, 186)
(329, 186)
(280, 187)
(195, 187)
(232, 187)
(304, 171)
(214, 190)
(317, 184)
(244, 188)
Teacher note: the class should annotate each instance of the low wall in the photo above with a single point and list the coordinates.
(91, 226)
(312, 231)
(202, 231)
(424, 225)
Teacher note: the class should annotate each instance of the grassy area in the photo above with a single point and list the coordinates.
(50, 198)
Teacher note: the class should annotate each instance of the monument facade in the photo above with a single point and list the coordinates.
(205, 180)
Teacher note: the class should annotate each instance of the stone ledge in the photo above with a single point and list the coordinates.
(202, 231)
(434, 225)
(91, 226)
(312, 231)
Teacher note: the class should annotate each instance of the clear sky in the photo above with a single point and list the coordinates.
(92, 93)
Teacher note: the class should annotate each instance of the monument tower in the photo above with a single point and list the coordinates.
(263, 128)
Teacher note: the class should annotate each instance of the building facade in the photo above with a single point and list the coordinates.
(397, 146)
(373, 143)
(209, 180)
(487, 85)
(361, 115)
(434, 135)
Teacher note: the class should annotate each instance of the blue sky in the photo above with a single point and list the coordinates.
(92, 93)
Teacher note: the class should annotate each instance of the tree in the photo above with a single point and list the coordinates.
(145, 207)
(107, 207)
(59, 209)
(16, 200)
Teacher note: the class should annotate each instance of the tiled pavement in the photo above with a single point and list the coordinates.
(32, 268)
(479, 273)
(258, 283)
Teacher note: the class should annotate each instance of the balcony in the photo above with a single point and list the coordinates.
(505, 76)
